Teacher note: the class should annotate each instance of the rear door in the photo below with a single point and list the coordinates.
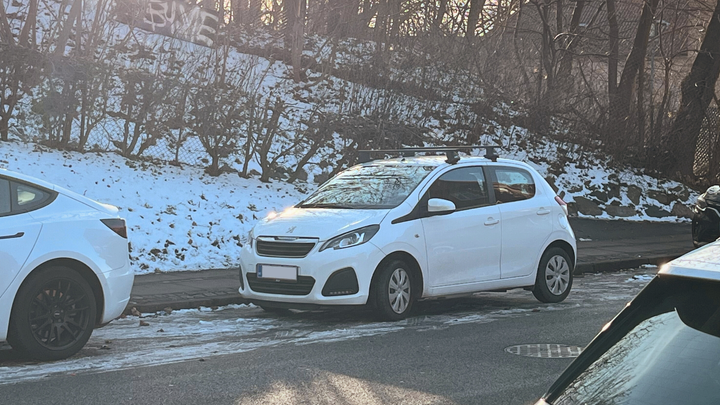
(526, 219)
(463, 247)
(18, 230)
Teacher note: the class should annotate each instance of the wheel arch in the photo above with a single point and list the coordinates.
(84, 271)
(564, 245)
(406, 257)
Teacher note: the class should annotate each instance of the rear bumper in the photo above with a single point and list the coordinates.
(117, 288)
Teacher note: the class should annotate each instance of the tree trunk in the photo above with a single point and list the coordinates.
(476, 7)
(698, 90)
(620, 109)
(73, 17)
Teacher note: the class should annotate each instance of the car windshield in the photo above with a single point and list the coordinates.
(370, 186)
(666, 350)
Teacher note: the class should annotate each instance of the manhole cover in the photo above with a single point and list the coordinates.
(543, 350)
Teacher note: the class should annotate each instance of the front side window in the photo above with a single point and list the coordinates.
(512, 184)
(465, 187)
(666, 351)
(370, 186)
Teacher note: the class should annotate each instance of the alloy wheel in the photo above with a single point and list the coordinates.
(59, 314)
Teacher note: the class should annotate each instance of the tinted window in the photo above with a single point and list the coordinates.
(666, 350)
(26, 198)
(465, 187)
(368, 186)
(4, 196)
(511, 184)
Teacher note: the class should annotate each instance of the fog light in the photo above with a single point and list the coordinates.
(341, 282)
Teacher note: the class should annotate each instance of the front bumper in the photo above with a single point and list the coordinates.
(314, 271)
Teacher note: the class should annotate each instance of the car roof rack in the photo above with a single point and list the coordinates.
(451, 152)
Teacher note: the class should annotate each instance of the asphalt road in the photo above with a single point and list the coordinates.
(449, 352)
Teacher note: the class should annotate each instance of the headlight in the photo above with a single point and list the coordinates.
(251, 238)
(350, 239)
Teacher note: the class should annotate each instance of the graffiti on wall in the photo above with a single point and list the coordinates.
(172, 18)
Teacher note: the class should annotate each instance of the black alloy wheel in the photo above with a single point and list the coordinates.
(53, 315)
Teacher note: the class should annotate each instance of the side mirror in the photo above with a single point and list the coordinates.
(440, 206)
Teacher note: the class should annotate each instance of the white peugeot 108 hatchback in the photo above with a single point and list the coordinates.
(64, 267)
(390, 232)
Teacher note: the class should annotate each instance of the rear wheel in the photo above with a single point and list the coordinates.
(393, 293)
(554, 276)
(53, 315)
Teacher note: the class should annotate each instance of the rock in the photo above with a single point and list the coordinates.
(143, 323)
(681, 210)
(575, 189)
(613, 190)
(659, 196)
(620, 211)
(600, 195)
(656, 212)
(135, 312)
(634, 193)
(681, 192)
(586, 206)
(321, 178)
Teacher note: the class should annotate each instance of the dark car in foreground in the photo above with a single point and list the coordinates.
(663, 348)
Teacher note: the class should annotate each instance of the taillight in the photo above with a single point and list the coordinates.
(117, 225)
(562, 203)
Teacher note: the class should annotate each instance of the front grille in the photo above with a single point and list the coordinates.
(283, 249)
(303, 286)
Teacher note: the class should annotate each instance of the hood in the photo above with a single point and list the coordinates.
(322, 223)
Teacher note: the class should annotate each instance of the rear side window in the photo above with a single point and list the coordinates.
(512, 184)
(17, 197)
(465, 187)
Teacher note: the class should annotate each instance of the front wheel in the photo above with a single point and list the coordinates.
(393, 294)
(53, 315)
(554, 276)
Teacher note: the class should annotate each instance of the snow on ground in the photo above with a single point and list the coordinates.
(178, 218)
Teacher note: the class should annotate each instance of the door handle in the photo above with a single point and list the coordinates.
(543, 211)
(17, 235)
(491, 221)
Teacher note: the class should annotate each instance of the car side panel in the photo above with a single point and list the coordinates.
(73, 231)
(18, 235)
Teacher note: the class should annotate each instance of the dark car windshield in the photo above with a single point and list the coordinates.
(663, 349)
(368, 186)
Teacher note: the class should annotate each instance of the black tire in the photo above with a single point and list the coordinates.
(390, 302)
(554, 276)
(53, 314)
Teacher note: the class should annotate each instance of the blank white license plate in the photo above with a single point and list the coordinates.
(277, 272)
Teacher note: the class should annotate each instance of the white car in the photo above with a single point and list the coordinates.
(64, 267)
(390, 232)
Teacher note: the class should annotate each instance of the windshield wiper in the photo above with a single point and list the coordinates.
(325, 205)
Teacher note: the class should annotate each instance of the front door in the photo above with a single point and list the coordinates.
(463, 247)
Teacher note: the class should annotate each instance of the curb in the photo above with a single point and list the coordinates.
(617, 265)
(158, 306)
